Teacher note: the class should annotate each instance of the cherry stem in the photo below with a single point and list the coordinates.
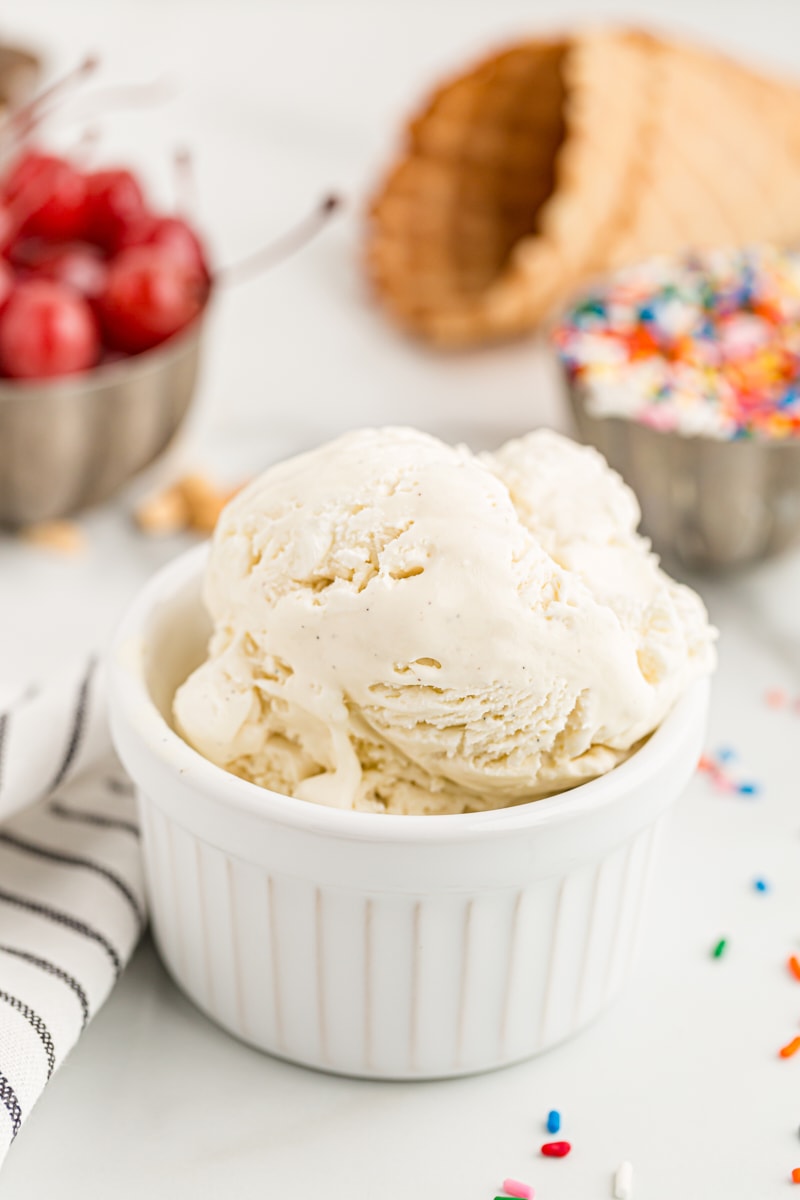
(19, 125)
(21, 121)
(132, 95)
(185, 189)
(86, 146)
(286, 245)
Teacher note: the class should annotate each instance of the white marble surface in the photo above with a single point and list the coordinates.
(281, 102)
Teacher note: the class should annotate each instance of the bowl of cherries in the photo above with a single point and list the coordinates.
(102, 302)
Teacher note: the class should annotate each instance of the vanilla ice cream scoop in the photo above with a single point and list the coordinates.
(404, 627)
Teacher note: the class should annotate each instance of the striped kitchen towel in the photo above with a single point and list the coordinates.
(72, 903)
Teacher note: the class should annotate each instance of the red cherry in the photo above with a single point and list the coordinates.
(148, 297)
(172, 234)
(24, 253)
(47, 195)
(78, 264)
(7, 283)
(47, 330)
(114, 202)
(9, 226)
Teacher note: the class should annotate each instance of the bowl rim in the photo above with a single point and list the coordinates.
(105, 375)
(132, 706)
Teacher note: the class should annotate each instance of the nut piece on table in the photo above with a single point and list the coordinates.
(193, 503)
(164, 513)
(62, 537)
(205, 501)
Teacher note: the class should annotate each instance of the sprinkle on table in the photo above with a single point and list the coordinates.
(794, 967)
(790, 1049)
(778, 699)
(553, 1121)
(796, 1175)
(720, 948)
(559, 1149)
(761, 885)
(718, 769)
(513, 1187)
(623, 1182)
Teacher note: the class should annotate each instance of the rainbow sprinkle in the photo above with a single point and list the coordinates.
(718, 768)
(513, 1187)
(720, 948)
(778, 699)
(704, 344)
(623, 1182)
(556, 1149)
(790, 1049)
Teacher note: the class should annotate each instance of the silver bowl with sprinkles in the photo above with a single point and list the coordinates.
(685, 373)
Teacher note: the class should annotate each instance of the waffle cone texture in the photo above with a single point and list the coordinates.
(555, 161)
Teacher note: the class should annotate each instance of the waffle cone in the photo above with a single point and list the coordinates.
(555, 161)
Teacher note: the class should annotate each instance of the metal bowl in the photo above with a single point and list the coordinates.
(710, 504)
(69, 443)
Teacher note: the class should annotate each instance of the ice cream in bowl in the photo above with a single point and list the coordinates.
(404, 738)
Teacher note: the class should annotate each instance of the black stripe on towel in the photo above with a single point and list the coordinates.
(78, 725)
(50, 968)
(75, 860)
(91, 818)
(35, 1022)
(62, 918)
(12, 1105)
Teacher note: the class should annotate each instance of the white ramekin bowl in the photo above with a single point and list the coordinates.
(384, 946)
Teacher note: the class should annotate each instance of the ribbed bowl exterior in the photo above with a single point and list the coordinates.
(68, 444)
(386, 946)
(708, 503)
(402, 986)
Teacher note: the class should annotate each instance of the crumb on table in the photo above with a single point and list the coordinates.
(164, 513)
(192, 502)
(60, 537)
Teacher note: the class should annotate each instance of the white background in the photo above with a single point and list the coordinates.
(280, 103)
